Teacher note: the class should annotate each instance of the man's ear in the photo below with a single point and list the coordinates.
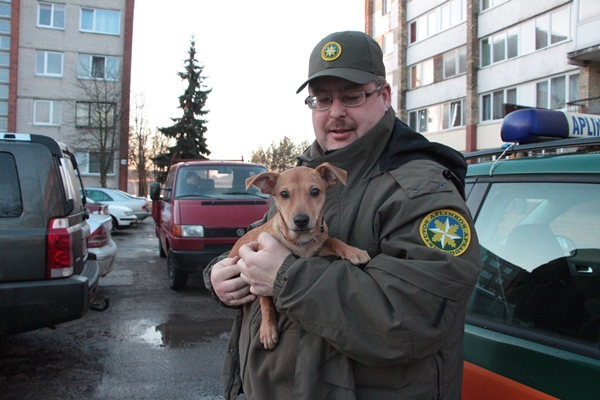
(265, 182)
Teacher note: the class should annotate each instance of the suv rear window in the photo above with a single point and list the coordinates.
(11, 205)
(541, 258)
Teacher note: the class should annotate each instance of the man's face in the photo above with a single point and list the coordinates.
(340, 125)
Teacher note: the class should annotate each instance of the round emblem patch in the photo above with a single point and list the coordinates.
(446, 230)
(331, 51)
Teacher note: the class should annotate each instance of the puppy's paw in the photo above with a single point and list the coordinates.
(269, 336)
(356, 256)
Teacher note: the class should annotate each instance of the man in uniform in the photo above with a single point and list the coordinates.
(390, 329)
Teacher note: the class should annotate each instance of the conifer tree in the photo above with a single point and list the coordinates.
(188, 130)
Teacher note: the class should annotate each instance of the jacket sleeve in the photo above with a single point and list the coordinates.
(409, 299)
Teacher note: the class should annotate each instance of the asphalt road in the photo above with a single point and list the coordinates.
(152, 342)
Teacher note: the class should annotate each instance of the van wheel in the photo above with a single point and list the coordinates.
(161, 252)
(177, 277)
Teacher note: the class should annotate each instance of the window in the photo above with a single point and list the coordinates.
(388, 43)
(4, 92)
(439, 19)
(4, 75)
(487, 4)
(11, 205)
(5, 10)
(4, 59)
(552, 28)
(100, 21)
(3, 124)
(386, 7)
(4, 43)
(48, 63)
(98, 67)
(89, 163)
(500, 47)
(455, 62)
(3, 108)
(51, 15)
(5, 26)
(452, 114)
(421, 74)
(492, 104)
(553, 93)
(95, 115)
(540, 252)
(46, 112)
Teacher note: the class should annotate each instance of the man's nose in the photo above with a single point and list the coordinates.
(337, 109)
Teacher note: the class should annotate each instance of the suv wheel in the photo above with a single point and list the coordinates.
(177, 277)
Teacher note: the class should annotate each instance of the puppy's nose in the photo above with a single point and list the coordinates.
(301, 220)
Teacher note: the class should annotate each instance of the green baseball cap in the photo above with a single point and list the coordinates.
(350, 55)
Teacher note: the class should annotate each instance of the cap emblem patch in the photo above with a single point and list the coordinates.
(331, 51)
(446, 230)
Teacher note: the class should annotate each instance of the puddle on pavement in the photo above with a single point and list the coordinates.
(180, 331)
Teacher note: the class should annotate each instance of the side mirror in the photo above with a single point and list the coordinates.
(155, 191)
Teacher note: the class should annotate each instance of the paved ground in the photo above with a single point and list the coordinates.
(152, 342)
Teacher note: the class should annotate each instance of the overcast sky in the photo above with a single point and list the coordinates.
(255, 56)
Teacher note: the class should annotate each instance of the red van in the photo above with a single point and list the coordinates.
(201, 211)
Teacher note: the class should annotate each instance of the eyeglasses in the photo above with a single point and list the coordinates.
(353, 98)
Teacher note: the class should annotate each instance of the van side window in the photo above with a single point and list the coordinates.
(540, 249)
(10, 191)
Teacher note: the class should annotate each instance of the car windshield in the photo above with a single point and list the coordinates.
(540, 249)
(215, 180)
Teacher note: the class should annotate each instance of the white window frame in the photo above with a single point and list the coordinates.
(56, 12)
(54, 110)
(42, 70)
(87, 109)
(504, 36)
(388, 43)
(551, 85)
(549, 21)
(96, 16)
(446, 16)
(459, 68)
(422, 74)
(386, 7)
(83, 161)
(489, 4)
(86, 68)
(495, 111)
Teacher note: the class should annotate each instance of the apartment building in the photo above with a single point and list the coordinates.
(65, 72)
(457, 67)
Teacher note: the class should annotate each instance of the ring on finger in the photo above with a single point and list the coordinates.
(231, 294)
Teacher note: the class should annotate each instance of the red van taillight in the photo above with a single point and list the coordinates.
(98, 238)
(60, 249)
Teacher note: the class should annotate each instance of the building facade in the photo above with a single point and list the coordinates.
(65, 72)
(457, 67)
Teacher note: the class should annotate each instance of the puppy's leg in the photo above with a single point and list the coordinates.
(333, 246)
(268, 327)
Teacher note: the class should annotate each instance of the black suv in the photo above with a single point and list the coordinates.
(46, 277)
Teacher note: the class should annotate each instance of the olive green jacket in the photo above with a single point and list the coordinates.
(391, 329)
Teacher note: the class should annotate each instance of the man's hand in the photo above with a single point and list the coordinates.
(227, 284)
(259, 267)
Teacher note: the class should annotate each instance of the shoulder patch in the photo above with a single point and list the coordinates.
(446, 230)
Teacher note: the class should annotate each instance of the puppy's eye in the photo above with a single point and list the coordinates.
(284, 195)
(315, 192)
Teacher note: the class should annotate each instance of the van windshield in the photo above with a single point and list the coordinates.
(215, 181)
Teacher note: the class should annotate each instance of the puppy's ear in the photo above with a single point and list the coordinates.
(332, 174)
(265, 182)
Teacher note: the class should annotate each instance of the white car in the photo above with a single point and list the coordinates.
(100, 242)
(121, 216)
(139, 205)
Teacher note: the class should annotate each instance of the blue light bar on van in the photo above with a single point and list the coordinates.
(531, 125)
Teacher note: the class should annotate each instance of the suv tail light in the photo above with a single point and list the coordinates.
(98, 238)
(60, 249)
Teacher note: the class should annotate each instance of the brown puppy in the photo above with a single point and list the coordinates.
(299, 195)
